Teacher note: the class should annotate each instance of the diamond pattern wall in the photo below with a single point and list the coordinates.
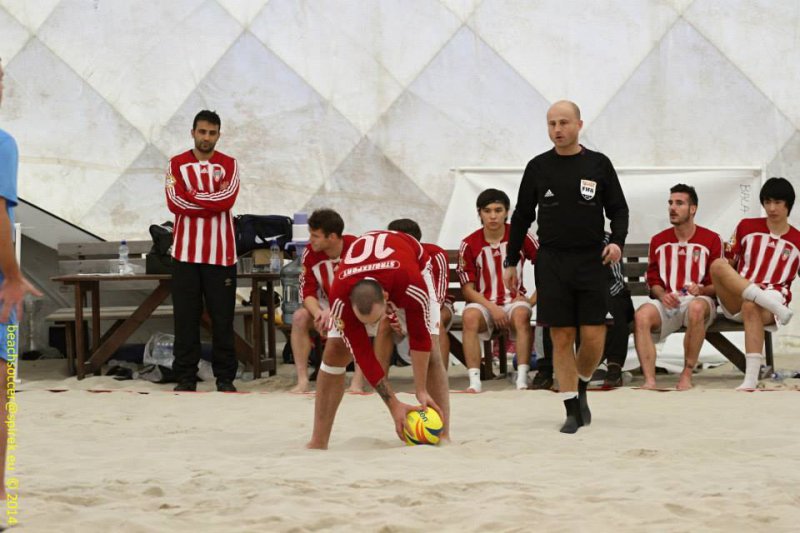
(367, 105)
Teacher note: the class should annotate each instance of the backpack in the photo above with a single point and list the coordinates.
(258, 231)
(159, 259)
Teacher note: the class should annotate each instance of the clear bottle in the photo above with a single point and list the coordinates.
(672, 311)
(290, 281)
(275, 259)
(123, 261)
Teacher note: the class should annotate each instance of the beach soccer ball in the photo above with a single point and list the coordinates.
(423, 427)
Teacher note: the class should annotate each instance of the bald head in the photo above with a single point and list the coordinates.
(564, 126)
(565, 106)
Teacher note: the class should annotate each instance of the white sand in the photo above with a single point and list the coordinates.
(708, 459)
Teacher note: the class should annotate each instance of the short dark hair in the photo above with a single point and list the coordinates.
(688, 189)
(365, 294)
(492, 196)
(328, 220)
(406, 225)
(777, 189)
(209, 116)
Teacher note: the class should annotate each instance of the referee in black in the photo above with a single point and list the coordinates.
(572, 187)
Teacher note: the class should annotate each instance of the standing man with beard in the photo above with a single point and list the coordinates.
(572, 187)
(201, 187)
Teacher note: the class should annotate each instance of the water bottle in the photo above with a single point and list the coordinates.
(275, 259)
(672, 311)
(124, 252)
(290, 282)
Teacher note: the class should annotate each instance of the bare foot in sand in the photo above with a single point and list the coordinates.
(649, 385)
(301, 387)
(685, 382)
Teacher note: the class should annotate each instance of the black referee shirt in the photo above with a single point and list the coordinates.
(571, 193)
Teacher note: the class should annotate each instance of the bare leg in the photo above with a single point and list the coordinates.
(358, 383)
(473, 323)
(646, 320)
(438, 386)
(444, 338)
(330, 389)
(697, 313)
(564, 358)
(728, 284)
(521, 324)
(302, 324)
(593, 340)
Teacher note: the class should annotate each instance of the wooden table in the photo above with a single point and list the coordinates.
(103, 347)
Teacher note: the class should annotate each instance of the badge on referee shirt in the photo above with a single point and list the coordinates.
(588, 188)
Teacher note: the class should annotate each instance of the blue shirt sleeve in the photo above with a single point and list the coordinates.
(9, 161)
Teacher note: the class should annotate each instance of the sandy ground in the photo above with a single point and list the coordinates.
(141, 458)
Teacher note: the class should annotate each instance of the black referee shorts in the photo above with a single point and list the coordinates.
(571, 287)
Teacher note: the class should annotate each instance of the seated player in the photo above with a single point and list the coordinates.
(754, 287)
(490, 304)
(381, 272)
(680, 287)
(320, 259)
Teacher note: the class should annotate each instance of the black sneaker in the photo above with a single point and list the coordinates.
(542, 381)
(225, 386)
(186, 386)
(613, 377)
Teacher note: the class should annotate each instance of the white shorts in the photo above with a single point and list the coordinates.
(737, 317)
(508, 308)
(449, 307)
(434, 311)
(671, 324)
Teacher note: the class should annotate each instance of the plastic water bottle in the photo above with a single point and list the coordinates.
(672, 311)
(124, 253)
(275, 259)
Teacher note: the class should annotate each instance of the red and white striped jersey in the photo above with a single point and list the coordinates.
(769, 261)
(396, 261)
(674, 265)
(440, 270)
(316, 276)
(481, 263)
(201, 194)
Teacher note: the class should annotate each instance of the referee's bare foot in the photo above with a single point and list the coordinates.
(312, 445)
(685, 383)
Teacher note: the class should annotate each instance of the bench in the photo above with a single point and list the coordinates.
(634, 268)
(456, 347)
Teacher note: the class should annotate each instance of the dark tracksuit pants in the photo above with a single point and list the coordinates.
(193, 285)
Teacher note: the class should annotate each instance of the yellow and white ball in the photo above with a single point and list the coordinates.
(423, 427)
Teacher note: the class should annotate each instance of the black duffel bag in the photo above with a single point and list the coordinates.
(159, 259)
(258, 231)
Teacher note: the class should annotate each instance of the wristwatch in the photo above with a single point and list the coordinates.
(507, 263)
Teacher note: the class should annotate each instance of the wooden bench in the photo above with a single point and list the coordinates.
(634, 268)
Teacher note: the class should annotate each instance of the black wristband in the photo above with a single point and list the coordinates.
(507, 263)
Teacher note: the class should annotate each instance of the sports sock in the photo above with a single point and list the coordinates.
(756, 294)
(752, 368)
(586, 413)
(522, 376)
(567, 395)
(474, 379)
